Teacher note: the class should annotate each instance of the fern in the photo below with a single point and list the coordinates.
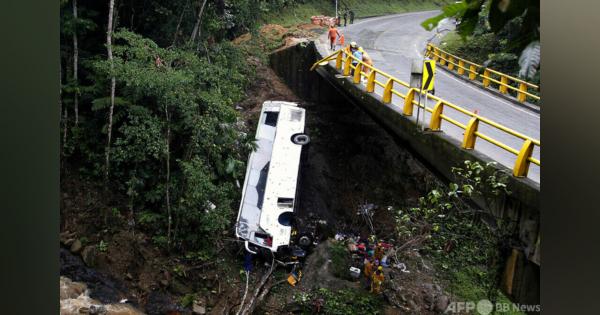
(529, 61)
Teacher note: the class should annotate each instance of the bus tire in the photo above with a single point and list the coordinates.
(305, 240)
(300, 139)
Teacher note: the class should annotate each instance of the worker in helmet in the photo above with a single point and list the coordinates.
(378, 252)
(377, 280)
(368, 272)
(357, 54)
(367, 60)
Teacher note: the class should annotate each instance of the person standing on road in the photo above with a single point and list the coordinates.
(341, 41)
(345, 17)
(351, 17)
(333, 34)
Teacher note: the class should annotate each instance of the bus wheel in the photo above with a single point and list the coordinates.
(300, 138)
(305, 240)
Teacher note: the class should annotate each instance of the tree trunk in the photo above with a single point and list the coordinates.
(196, 30)
(109, 31)
(179, 24)
(75, 64)
(168, 158)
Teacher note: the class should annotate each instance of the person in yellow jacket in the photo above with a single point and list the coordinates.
(368, 271)
(366, 59)
(378, 252)
(377, 280)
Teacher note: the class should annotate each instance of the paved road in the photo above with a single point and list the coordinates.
(393, 41)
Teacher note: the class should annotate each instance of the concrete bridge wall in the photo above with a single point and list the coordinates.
(440, 152)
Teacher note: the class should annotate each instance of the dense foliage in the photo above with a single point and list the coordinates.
(342, 302)
(447, 225)
(178, 145)
(503, 35)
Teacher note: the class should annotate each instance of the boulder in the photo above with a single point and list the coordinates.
(442, 303)
(198, 309)
(89, 255)
(76, 246)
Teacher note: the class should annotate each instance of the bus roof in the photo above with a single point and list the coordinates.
(271, 177)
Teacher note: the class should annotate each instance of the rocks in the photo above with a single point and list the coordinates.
(76, 246)
(66, 236)
(89, 255)
(198, 309)
(441, 303)
(70, 289)
(435, 298)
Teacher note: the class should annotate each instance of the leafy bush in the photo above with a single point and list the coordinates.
(341, 302)
(179, 146)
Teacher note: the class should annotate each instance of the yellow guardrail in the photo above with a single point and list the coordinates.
(344, 61)
(473, 70)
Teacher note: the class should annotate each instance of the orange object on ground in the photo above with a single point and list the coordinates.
(342, 40)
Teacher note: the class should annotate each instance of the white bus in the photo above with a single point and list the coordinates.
(268, 203)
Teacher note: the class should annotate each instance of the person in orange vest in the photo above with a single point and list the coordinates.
(368, 272)
(367, 60)
(341, 41)
(377, 280)
(333, 34)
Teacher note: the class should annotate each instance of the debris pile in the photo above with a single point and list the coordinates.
(323, 20)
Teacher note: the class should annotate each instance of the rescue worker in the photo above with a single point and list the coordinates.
(341, 41)
(333, 33)
(377, 280)
(357, 56)
(351, 17)
(368, 272)
(367, 60)
(378, 252)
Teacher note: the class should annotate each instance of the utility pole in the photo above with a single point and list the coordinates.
(336, 11)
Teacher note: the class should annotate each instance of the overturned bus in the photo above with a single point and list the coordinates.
(266, 216)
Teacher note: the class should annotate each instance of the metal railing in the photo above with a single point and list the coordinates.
(505, 82)
(375, 77)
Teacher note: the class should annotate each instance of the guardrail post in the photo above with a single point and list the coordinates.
(522, 163)
(387, 91)
(347, 66)
(436, 117)
(472, 72)
(470, 137)
(486, 80)
(461, 67)
(443, 59)
(503, 88)
(408, 102)
(371, 82)
(338, 60)
(357, 71)
(436, 54)
(521, 97)
(450, 63)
